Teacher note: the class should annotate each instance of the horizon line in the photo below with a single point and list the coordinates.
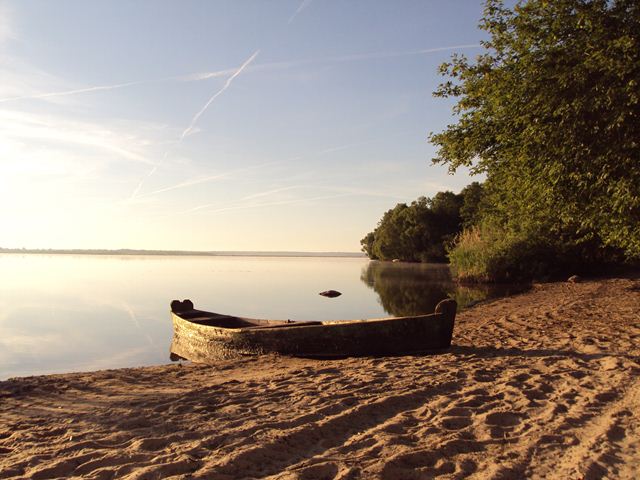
(169, 252)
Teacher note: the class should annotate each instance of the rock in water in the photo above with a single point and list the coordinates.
(330, 293)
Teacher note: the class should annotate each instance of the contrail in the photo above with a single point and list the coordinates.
(197, 181)
(343, 192)
(73, 92)
(186, 132)
(271, 192)
(63, 93)
(226, 85)
(137, 189)
(303, 5)
(195, 77)
(367, 56)
(187, 183)
(291, 187)
(267, 204)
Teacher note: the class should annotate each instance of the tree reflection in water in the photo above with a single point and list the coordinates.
(416, 288)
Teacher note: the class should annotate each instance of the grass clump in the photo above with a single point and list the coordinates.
(489, 252)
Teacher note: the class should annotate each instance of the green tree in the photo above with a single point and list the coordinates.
(551, 114)
(418, 232)
(472, 204)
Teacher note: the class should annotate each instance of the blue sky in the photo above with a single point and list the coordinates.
(220, 125)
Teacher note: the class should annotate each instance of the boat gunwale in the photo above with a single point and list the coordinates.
(285, 324)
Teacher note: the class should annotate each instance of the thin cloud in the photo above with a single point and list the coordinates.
(199, 180)
(6, 27)
(409, 53)
(342, 192)
(27, 127)
(303, 5)
(226, 85)
(271, 192)
(187, 183)
(325, 151)
(267, 204)
(345, 146)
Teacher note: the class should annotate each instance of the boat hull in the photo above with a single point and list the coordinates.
(374, 337)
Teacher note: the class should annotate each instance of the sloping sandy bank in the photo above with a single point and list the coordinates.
(541, 385)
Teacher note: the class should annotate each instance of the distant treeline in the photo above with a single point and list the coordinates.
(550, 114)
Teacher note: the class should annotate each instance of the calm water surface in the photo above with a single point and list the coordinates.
(62, 313)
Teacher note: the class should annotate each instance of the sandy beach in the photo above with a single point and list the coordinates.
(541, 385)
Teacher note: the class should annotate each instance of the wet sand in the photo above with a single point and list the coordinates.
(541, 385)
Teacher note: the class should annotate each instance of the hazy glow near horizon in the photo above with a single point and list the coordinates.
(288, 125)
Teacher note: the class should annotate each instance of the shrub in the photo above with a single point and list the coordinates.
(490, 252)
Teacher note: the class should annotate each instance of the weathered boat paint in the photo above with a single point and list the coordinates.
(204, 336)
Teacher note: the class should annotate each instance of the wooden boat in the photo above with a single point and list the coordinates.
(204, 336)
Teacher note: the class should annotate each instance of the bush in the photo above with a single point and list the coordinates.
(491, 253)
(473, 253)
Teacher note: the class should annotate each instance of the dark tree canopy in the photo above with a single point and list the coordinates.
(472, 204)
(551, 114)
(419, 232)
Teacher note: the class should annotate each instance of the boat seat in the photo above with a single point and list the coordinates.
(222, 322)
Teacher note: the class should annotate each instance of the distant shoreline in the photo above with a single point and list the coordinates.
(183, 253)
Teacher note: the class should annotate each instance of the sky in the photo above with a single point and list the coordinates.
(288, 125)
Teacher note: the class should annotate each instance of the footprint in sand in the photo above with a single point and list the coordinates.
(578, 374)
(484, 376)
(405, 465)
(455, 423)
(475, 398)
(149, 444)
(457, 412)
(606, 397)
(550, 439)
(610, 363)
(134, 423)
(456, 418)
(519, 379)
(503, 419)
(616, 433)
(560, 408)
(467, 467)
(539, 392)
(315, 472)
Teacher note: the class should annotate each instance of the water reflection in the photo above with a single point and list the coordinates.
(416, 288)
(61, 313)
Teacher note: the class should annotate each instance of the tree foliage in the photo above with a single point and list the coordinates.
(421, 231)
(473, 204)
(551, 114)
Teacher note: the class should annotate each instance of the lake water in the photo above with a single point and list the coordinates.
(63, 313)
